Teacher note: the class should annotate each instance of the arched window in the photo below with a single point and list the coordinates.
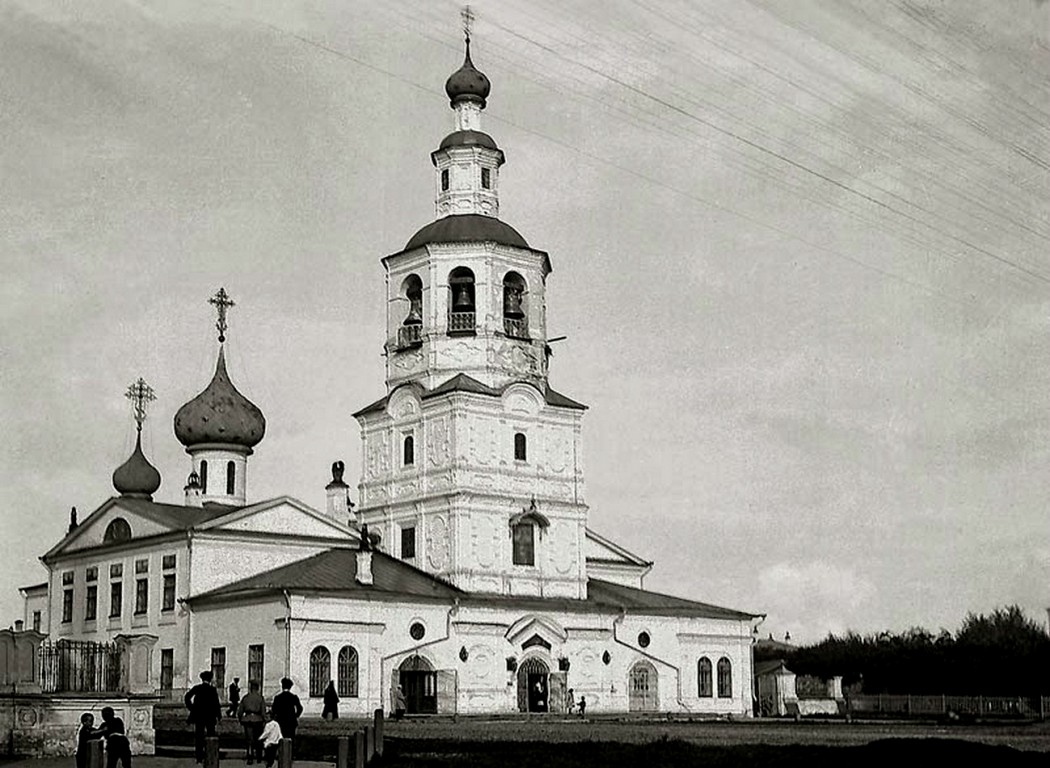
(410, 333)
(524, 551)
(725, 678)
(320, 670)
(347, 682)
(704, 686)
(204, 477)
(231, 476)
(461, 308)
(118, 530)
(515, 321)
(409, 457)
(520, 447)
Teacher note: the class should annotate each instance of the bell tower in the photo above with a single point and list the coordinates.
(471, 461)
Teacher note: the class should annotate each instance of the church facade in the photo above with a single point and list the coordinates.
(467, 573)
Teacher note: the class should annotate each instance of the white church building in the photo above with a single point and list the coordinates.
(467, 572)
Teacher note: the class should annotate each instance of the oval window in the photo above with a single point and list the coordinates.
(417, 630)
(643, 639)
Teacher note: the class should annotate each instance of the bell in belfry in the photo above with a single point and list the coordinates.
(512, 302)
(464, 300)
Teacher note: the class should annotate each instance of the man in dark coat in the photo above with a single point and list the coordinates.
(202, 700)
(235, 697)
(285, 709)
(118, 749)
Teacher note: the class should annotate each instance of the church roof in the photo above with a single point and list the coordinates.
(334, 572)
(461, 382)
(468, 139)
(467, 228)
(136, 477)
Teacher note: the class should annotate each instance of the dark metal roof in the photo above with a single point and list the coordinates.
(176, 516)
(468, 139)
(461, 382)
(220, 414)
(467, 228)
(643, 601)
(335, 570)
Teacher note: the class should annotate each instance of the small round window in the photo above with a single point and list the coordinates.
(643, 639)
(417, 630)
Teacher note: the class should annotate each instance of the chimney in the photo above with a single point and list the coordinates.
(193, 490)
(338, 505)
(364, 558)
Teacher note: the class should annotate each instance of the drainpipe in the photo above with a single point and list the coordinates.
(677, 670)
(448, 633)
(287, 633)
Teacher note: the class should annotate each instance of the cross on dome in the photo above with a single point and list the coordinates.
(222, 302)
(141, 395)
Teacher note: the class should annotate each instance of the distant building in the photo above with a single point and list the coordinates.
(467, 574)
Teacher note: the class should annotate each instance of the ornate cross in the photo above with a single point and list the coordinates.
(221, 301)
(468, 20)
(140, 394)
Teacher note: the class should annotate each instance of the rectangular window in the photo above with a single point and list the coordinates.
(408, 542)
(67, 578)
(167, 668)
(116, 570)
(91, 574)
(444, 180)
(67, 606)
(91, 607)
(168, 563)
(168, 598)
(142, 566)
(486, 179)
(524, 545)
(141, 596)
(116, 599)
(37, 619)
(255, 663)
(218, 668)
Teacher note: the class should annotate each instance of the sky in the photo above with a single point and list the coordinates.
(800, 256)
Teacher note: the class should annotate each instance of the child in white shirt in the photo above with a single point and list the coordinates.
(270, 738)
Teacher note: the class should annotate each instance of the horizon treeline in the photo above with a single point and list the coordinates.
(1004, 653)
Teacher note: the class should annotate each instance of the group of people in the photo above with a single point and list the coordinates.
(572, 705)
(118, 749)
(262, 731)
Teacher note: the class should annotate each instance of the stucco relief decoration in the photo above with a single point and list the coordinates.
(407, 488)
(563, 550)
(28, 717)
(486, 542)
(438, 444)
(406, 362)
(588, 666)
(559, 454)
(518, 357)
(482, 443)
(404, 407)
(458, 353)
(437, 543)
(481, 661)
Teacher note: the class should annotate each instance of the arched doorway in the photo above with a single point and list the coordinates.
(642, 688)
(533, 685)
(419, 684)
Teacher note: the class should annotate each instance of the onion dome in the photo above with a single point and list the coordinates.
(136, 477)
(220, 414)
(467, 83)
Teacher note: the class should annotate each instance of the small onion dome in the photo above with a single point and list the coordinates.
(467, 83)
(220, 414)
(468, 139)
(136, 477)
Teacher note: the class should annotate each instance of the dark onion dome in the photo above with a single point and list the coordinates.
(220, 414)
(468, 139)
(467, 228)
(467, 83)
(136, 477)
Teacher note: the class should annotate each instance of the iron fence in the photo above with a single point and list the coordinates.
(945, 705)
(79, 666)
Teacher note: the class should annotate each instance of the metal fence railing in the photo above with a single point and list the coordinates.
(943, 705)
(76, 666)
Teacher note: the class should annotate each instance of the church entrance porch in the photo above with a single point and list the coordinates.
(419, 684)
(642, 688)
(533, 686)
